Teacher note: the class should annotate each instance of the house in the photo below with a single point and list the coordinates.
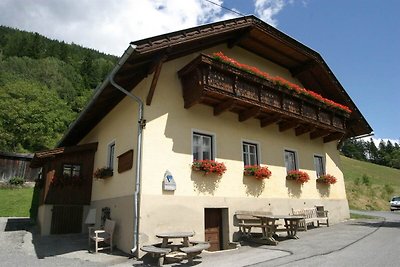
(232, 91)
(16, 165)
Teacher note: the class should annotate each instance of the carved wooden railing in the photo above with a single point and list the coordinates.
(206, 77)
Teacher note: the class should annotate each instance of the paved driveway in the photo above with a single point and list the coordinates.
(352, 243)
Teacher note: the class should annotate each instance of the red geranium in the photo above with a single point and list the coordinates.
(279, 81)
(298, 176)
(257, 171)
(327, 179)
(209, 166)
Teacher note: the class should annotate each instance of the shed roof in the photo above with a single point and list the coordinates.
(247, 32)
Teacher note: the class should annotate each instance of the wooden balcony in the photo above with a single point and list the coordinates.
(227, 88)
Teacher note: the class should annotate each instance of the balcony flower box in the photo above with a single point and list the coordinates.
(298, 176)
(257, 171)
(209, 167)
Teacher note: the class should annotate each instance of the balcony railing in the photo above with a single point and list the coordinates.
(225, 87)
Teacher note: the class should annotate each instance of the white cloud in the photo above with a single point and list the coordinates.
(109, 26)
(268, 9)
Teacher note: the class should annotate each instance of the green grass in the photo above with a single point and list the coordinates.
(369, 186)
(362, 216)
(15, 202)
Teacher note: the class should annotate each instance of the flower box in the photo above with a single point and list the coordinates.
(257, 171)
(209, 166)
(103, 173)
(327, 179)
(298, 176)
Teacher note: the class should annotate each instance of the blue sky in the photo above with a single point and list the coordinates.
(359, 39)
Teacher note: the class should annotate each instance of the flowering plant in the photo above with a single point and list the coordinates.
(298, 176)
(280, 81)
(209, 166)
(103, 172)
(257, 171)
(327, 179)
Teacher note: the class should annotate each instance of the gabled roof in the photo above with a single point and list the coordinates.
(247, 32)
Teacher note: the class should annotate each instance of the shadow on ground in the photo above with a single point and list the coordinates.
(53, 245)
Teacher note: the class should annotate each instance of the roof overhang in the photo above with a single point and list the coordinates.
(247, 32)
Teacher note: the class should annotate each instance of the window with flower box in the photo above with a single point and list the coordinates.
(250, 153)
(203, 146)
(319, 165)
(290, 160)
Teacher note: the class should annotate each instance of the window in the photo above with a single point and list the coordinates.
(250, 154)
(319, 165)
(290, 160)
(111, 154)
(202, 146)
(71, 170)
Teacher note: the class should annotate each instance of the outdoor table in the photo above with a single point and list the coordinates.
(171, 235)
(291, 225)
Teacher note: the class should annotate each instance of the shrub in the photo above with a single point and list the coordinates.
(366, 180)
(17, 181)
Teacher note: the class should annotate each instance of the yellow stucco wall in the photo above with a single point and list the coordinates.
(167, 146)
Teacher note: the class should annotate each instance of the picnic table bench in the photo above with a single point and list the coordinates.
(196, 249)
(311, 215)
(246, 220)
(156, 252)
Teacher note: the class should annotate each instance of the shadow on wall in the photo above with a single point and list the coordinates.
(294, 188)
(206, 184)
(254, 187)
(324, 190)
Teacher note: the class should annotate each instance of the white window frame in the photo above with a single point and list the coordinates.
(296, 158)
(258, 150)
(323, 164)
(111, 157)
(213, 141)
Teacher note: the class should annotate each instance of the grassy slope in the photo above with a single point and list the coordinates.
(15, 202)
(384, 182)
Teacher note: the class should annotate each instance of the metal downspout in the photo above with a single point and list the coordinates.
(141, 125)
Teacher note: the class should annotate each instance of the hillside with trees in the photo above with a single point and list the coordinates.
(386, 153)
(44, 84)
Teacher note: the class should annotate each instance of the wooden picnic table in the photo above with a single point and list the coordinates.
(172, 235)
(291, 225)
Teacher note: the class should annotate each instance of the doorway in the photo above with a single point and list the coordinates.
(215, 224)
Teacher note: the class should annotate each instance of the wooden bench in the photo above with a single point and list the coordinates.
(196, 249)
(311, 216)
(246, 220)
(156, 252)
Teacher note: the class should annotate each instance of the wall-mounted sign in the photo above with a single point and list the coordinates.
(169, 182)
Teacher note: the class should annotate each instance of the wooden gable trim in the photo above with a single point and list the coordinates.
(157, 71)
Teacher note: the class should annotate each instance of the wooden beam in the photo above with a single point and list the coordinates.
(269, 120)
(224, 106)
(153, 85)
(286, 125)
(303, 68)
(302, 129)
(333, 137)
(319, 133)
(249, 113)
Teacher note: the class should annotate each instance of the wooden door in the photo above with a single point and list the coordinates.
(213, 228)
(66, 219)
